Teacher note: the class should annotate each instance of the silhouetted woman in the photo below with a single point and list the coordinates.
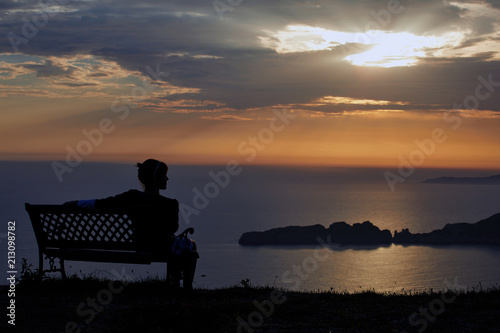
(158, 218)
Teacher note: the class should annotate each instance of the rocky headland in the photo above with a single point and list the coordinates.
(486, 231)
(338, 232)
(491, 180)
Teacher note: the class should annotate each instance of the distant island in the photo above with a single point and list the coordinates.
(339, 232)
(491, 180)
(486, 231)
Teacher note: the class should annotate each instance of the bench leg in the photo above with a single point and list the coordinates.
(63, 271)
(169, 278)
(40, 264)
(52, 266)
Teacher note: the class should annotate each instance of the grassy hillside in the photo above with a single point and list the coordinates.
(96, 305)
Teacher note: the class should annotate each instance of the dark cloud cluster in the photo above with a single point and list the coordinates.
(222, 57)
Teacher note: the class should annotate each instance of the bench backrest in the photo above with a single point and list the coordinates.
(61, 226)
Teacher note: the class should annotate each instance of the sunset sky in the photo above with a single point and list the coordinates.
(337, 83)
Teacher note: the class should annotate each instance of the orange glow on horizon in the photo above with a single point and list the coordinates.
(364, 138)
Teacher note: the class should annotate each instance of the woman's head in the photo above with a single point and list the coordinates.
(153, 174)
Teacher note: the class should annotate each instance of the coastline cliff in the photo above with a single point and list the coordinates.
(491, 180)
(338, 232)
(486, 231)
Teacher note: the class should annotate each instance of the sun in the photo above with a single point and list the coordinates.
(372, 48)
(399, 49)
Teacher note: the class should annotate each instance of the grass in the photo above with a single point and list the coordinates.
(92, 304)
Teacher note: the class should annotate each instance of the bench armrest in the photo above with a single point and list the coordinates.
(186, 232)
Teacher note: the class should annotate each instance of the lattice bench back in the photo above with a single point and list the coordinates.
(59, 226)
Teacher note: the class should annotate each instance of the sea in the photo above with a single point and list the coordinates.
(223, 201)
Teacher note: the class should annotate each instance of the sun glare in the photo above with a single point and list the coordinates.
(373, 48)
(400, 49)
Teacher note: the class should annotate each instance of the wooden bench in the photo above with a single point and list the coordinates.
(108, 235)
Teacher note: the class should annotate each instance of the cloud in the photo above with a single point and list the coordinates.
(50, 70)
(493, 3)
(9, 71)
(215, 64)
